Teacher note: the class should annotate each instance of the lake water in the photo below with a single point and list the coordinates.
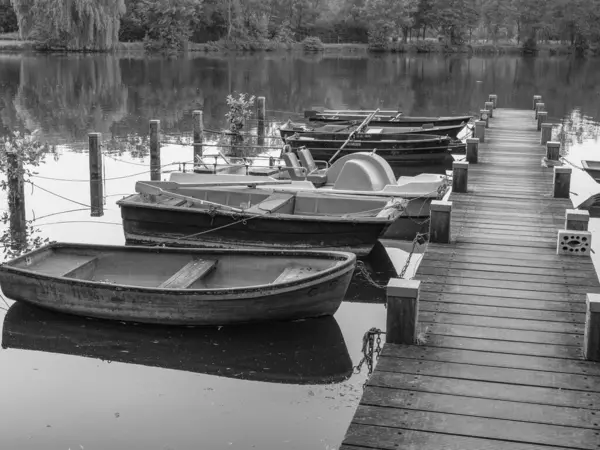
(72, 383)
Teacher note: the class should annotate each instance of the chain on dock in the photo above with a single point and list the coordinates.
(371, 349)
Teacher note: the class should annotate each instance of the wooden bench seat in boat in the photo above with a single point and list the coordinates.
(189, 274)
(278, 202)
(291, 273)
(84, 269)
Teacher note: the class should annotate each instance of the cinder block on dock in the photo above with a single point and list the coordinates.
(577, 219)
(591, 336)
(562, 182)
(577, 243)
(472, 150)
(439, 222)
(402, 311)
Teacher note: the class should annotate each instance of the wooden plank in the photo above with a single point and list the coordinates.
(388, 438)
(475, 372)
(494, 359)
(481, 427)
(478, 407)
(495, 292)
(189, 274)
(291, 273)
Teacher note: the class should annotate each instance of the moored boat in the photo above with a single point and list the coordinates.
(384, 118)
(228, 216)
(371, 132)
(179, 286)
(311, 351)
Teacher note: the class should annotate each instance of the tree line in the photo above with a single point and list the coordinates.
(99, 25)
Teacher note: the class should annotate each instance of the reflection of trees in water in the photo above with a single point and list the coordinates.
(68, 97)
(576, 128)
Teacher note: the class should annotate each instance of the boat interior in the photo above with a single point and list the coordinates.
(173, 269)
(356, 172)
(258, 201)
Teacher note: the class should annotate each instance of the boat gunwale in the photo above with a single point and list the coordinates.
(345, 261)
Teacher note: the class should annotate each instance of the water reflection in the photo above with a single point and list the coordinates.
(303, 352)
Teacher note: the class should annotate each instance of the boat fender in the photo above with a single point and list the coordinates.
(287, 148)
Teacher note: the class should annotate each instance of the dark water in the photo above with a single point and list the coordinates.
(76, 383)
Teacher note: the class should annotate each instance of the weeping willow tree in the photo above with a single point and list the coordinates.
(70, 24)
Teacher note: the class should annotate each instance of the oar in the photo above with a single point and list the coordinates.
(363, 124)
(145, 188)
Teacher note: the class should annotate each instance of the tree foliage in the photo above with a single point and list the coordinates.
(70, 24)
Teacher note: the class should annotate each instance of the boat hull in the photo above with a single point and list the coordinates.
(406, 121)
(450, 131)
(317, 295)
(146, 223)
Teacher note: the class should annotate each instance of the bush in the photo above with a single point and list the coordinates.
(8, 19)
(377, 41)
(312, 44)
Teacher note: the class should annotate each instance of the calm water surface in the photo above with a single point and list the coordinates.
(74, 383)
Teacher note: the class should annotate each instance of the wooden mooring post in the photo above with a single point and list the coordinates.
(439, 222)
(261, 114)
(539, 107)
(472, 150)
(577, 219)
(553, 150)
(591, 337)
(494, 99)
(546, 133)
(542, 116)
(198, 130)
(402, 311)
(460, 176)
(562, 182)
(484, 116)
(480, 130)
(155, 150)
(536, 99)
(16, 199)
(489, 106)
(96, 175)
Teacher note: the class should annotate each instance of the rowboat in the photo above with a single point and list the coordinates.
(592, 168)
(405, 148)
(179, 286)
(384, 118)
(311, 351)
(371, 132)
(234, 216)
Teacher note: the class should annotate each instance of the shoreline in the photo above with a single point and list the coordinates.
(415, 47)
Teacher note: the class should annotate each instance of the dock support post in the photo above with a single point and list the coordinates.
(539, 107)
(472, 150)
(261, 114)
(402, 311)
(490, 107)
(96, 182)
(198, 119)
(577, 219)
(542, 116)
(439, 222)
(16, 200)
(155, 150)
(460, 177)
(546, 133)
(553, 150)
(480, 130)
(494, 99)
(484, 116)
(536, 99)
(562, 182)
(591, 336)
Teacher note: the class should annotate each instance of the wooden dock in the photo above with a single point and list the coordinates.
(503, 318)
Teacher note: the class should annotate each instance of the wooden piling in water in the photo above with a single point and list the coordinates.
(261, 114)
(494, 99)
(16, 199)
(439, 222)
(96, 174)
(198, 129)
(553, 150)
(489, 106)
(155, 150)
(402, 311)
(472, 150)
(542, 116)
(536, 99)
(591, 336)
(460, 176)
(546, 133)
(480, 130)
(577, 220)
(562, 182)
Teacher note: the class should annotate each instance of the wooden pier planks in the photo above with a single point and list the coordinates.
(503, 317)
